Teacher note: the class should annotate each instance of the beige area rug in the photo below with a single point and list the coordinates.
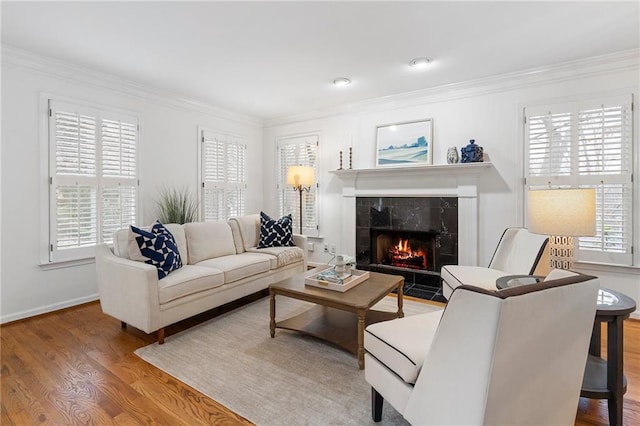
(291, 379)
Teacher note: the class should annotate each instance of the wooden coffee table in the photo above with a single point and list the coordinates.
(339, 318)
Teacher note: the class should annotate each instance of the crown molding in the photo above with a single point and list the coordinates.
(571, 70)
(52, 67)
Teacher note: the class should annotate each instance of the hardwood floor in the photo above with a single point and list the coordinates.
(77, 366)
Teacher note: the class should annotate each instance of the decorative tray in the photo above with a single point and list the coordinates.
(357, 276)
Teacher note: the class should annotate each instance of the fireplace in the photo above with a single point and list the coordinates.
(409, 236)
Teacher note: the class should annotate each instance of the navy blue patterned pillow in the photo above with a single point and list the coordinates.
(159, 248)
(275, 233)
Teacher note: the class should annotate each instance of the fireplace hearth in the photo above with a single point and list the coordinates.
(409, 236)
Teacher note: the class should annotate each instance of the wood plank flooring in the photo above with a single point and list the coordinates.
(77, 366)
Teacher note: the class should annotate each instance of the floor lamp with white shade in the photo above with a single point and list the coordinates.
(562, 214)
(302, 179)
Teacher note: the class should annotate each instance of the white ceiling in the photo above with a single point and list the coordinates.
(272, 59)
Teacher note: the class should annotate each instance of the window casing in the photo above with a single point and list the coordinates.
(588, 144)
(93, 180)
(298, 151)
(223, 176)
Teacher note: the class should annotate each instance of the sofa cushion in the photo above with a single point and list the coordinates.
(275, 232)
(249, 230)
(280, 256)
(237, 238)
(206, 240)
(157, 248)
(402, 344)
(121, 240)
(188, 280)
(238, 266)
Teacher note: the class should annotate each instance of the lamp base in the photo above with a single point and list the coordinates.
(561, 252)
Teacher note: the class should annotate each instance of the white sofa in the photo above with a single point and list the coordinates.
(220, 264)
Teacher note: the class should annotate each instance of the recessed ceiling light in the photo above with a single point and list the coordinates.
(419, 62)
(341, 81)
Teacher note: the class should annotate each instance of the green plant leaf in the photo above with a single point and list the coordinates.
(177, 205)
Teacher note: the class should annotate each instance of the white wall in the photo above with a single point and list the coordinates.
(168, 150)
(489, 111)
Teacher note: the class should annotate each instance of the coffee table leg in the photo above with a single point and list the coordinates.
(272, 314)
(361, 315)
(400, 295)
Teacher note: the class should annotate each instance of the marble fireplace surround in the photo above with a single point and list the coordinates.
(456, 180)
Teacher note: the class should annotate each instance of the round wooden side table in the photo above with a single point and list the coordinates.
(604, 379)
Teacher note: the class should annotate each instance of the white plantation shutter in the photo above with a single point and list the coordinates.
(119, 208)
(76, 216)
(119, 149)
(298, 151)
(93, 178)
(223, 176)
(588, 144)
(119, 174)
(550, 145)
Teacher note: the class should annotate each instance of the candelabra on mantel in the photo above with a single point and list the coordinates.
(350, 159)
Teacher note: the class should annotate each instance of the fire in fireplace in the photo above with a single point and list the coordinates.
(404, 249)
(404, 256)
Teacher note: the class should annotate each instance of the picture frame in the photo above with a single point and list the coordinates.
(407, 144)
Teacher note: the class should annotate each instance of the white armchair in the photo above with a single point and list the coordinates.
(519, 252)
(508, 357)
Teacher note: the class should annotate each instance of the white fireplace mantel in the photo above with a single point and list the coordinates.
(457, 169)
(454, 180)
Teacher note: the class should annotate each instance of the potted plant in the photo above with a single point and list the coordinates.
(177, 206)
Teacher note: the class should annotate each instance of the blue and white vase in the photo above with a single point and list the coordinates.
(472, 153)
(452, 155)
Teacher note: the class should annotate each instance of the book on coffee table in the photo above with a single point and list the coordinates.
(332, 276)
(336, 282)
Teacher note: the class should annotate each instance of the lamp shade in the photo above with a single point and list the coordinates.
(562, 212)
(300, 176)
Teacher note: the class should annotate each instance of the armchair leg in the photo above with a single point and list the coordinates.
(161, 336)
(123, 325)
(376, 405)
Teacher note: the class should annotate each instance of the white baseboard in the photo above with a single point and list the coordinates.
(48, 308)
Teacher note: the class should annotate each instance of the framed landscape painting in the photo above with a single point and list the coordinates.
(405, 144)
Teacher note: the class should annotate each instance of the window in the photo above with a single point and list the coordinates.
(223, 176)
(298, 151)
(93, 183)
(588, 144)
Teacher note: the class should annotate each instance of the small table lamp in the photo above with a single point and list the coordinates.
(562, 214)
(302, 178)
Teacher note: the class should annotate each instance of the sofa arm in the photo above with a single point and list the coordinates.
(301, 241)
(128, 290)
